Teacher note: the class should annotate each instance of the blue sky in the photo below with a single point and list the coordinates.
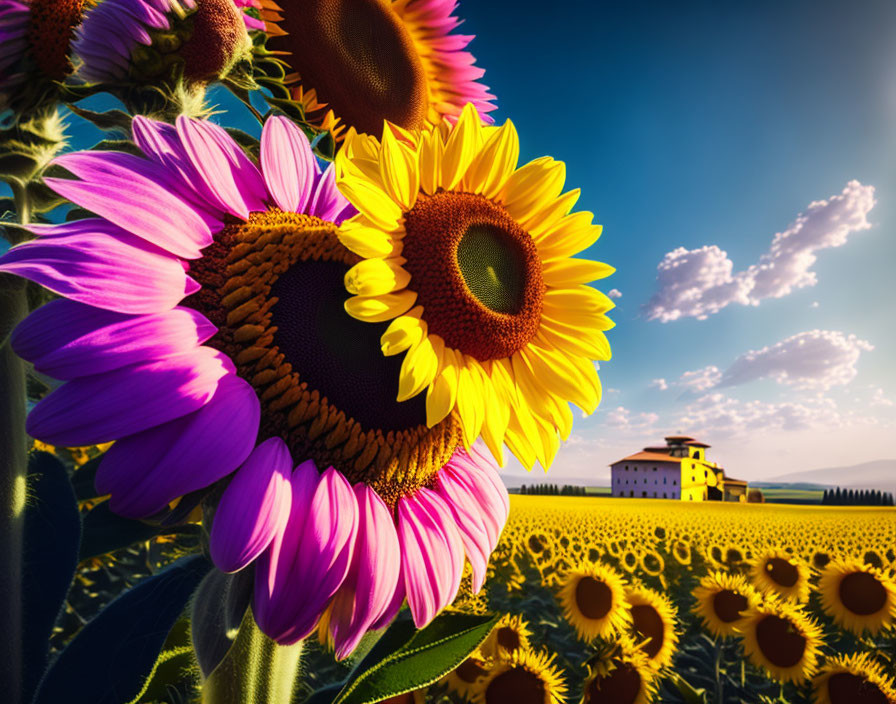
(703, 129)
(699, 124)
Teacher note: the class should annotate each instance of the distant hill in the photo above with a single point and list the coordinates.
(878, 474)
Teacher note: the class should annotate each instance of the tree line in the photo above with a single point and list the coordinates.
(859, 497)
(553, 490)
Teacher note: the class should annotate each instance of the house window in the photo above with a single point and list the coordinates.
(654, 469)
(674, 482)
(664, 479)
(626, 468)
(654, 494)
(664, 495)
(631, 493)
(644, 494)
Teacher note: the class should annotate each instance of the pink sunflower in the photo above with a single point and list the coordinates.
(201, 327)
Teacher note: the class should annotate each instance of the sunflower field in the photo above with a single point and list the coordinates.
(634, 601)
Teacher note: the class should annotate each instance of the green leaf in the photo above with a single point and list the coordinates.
(427, 656)
(217, 612)
(117, 120)
(691, 695)
(52, 534)
(112, 657)
(104, 531)
(83, 479)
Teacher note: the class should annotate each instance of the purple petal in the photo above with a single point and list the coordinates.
(329, 203)
(232, 179)
(104, 407)
(272, 604)
(288, 164)
(254, 507)
(324, 552)
(65, 339)
(131, 192)
(369, 586)
(146, 471)
(432, 557)
(95, 262)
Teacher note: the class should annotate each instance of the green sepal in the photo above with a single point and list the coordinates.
(116, 120)
(111, 658)
(105, 531)
(51, 538)
(404, 660)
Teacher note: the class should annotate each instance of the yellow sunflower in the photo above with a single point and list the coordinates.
(853, 679)
(510, 634)
(781, 574)
(356, 63)
(857, 596)
(653, 624)
(781, 639)
(621, 676)
(722, 600)
(469, 257)
(593, 600)
(464, 679)
(526, 677)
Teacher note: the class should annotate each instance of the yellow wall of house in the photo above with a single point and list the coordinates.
(696, 476)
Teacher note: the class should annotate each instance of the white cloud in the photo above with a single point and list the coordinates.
(718, 414)
(614, 293)
(660, 384)
(814, 304)
(700, 379)
(817, 359)
(700, 282)
(624, 420)
(878, 398)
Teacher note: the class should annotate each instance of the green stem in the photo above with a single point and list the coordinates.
(256, 670)
(718, 665)
(13, 461)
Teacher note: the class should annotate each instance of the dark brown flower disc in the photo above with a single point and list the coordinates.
(50, 33)
(648, 623)
(621, 686)
(729, 606)
(217, 33)
(593, 597)
(782, 571)
(517, 686)
(476, 273)
(359, 58)
(780, 642)
(862, 593)
(846, 688)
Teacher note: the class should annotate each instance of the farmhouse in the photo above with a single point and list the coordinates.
(679, 470)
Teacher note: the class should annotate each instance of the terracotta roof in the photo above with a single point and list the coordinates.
(695, 443)
(649, 457)
(677, 437)
(664, 450)
(735, 481)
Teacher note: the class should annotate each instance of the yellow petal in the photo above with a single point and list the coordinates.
(582, 298)
(442, 393)
(398, 169)
(570, 235)
(493, 165)
(542, 220)
(377, 309)
(365, 241)
(461, 146)
(372, 277)
(418, 369)
(469, 401)
(497, 416)
(532, 186)
(430, 159)
(562, 273)
(403, 332)
(372, 202)
(555, 371)
(584, 341)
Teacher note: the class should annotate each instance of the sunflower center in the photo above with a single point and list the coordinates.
(535, 545)
(728, 605)
(274, 288)
(780, 642)
(359, 58)
(782, 572)
(847, 688)
(217, 37)
(470, 670)
(862, 593)
(516, 685)
(648, 623)
(621, 686)
(476, 273)
(593, 597)
(508, 639)
(50, 32)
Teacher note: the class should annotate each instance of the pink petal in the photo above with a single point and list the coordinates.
(104, 407)
(288, 164)
(130, 192)
(147, 470)
(65, 339)
(432, 554)
(369, 586)
(469, 521)
(254, 507)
